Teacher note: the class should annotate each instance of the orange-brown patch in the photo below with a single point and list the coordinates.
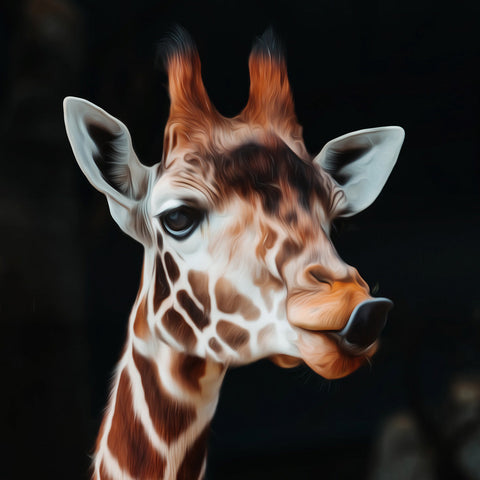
(214, 345)
(194, 457)
(179, 329)
(286, 361)
(172, 268)
(319, 310)
(233, 335)
(188, 371)
(267, 241)
(199, 283)
(199, 318)
(229, 300)
(169, 416)
(162, 288)
(140, 325)
(270, 100)
(127, 439)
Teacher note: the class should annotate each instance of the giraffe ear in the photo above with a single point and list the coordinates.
(360, 164)
(103, 149)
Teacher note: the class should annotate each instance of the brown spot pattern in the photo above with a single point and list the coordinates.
(233, 335)
(214, 345)
(188, 371)
(160, 241)
(169, 416)
(229, 300)
(140, 325)
(127, 439)
(264, 334)
(267, 284)
(194, 457)
(199, 318)
(179, 329)
(199, 283)
(162, 288)
(172, 268)
(288, 250)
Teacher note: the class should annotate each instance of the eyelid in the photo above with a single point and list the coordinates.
(176, 203)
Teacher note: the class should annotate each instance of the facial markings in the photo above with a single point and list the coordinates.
(172, 268)
(199, 318)
(288, 250)
(233, 335)
(193, 461)
(188, 371)
(162, 287)
(267, 241)
(179, 329)
(127, 439)
(169, 416)
(159, 241)
(268, 285)
(270, 172)
(199, 283)
(229, 300)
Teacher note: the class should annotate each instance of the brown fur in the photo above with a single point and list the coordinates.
(180, 330)
(172, 268)
(229, 300)
(192, 463)
(169, 415)
(199, 318)
(214, 345)
(199, 283)
(128, 441)
(162, 288)
(140, 325)
(233, 335)
(188, 370)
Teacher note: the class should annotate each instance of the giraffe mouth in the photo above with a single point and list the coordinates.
(335, 354)
(326, 355)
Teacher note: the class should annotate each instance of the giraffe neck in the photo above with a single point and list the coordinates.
(162, 402)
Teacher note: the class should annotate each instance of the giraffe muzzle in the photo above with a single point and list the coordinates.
(364, 326)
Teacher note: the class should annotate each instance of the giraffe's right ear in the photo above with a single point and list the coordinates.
(103, 149)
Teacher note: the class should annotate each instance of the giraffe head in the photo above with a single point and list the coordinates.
(235, 220)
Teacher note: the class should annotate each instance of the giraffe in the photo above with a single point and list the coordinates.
(238, 263)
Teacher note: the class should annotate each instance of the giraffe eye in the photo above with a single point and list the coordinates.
(182, 221)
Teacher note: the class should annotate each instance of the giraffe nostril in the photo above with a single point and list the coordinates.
(319, 275)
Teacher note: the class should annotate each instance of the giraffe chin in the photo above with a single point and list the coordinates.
(325, 357)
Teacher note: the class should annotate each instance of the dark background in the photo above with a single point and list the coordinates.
(69, 276)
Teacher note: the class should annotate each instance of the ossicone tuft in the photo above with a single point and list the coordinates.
(268, 47)
(178, 43)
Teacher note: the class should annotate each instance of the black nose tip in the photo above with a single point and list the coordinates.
(365, 323)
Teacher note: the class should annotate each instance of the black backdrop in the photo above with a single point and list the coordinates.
(69, 276)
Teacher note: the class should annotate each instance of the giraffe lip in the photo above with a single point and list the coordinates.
(325, 356)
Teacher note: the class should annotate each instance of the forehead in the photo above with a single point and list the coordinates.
(269, 174)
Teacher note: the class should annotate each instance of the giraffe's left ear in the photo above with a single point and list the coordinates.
(103, 149)
(360, 164)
